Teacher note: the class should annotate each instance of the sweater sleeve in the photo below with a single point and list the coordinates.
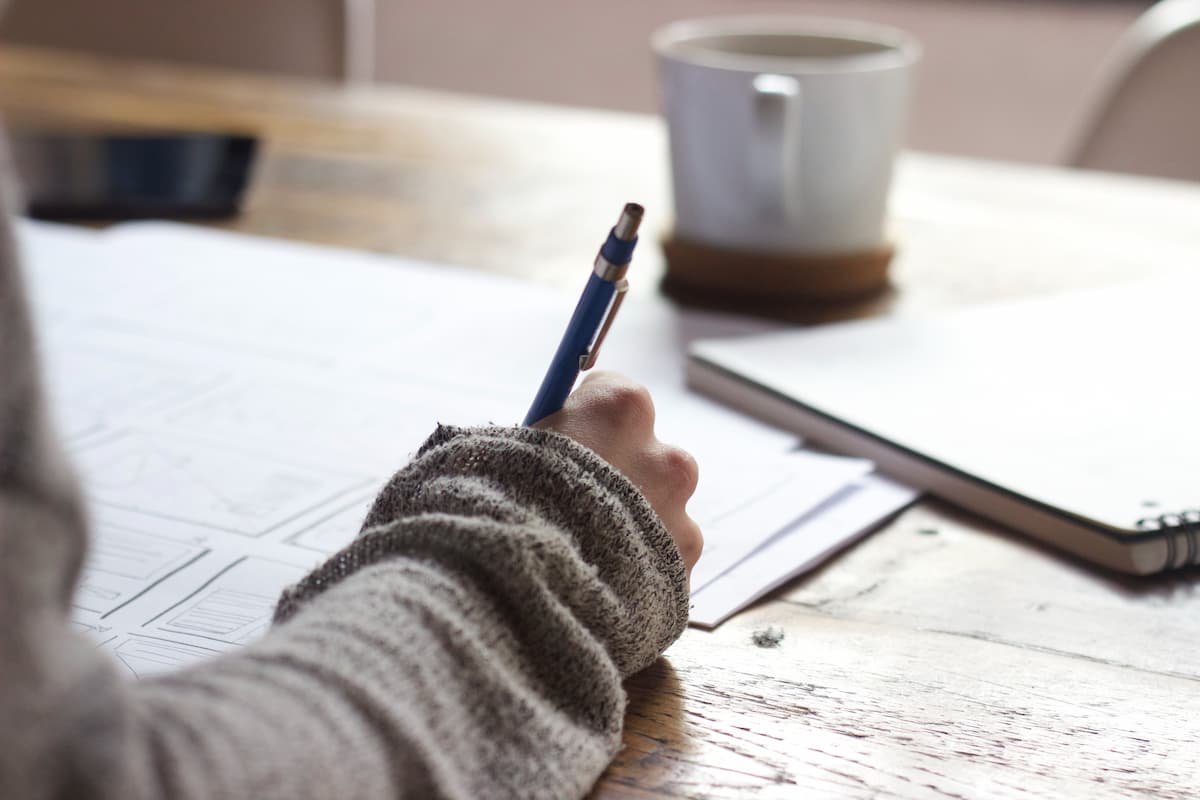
(470, 643)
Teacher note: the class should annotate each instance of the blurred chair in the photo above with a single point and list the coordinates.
(313, 38)
(1145, 116)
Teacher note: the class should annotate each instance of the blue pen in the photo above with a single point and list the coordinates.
(593, 316)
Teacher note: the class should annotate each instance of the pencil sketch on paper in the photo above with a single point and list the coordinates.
(335, 531)
(91, 390)
(233, 607)
(123, 564)
(146, 655)
(207, 485)
(367, 420)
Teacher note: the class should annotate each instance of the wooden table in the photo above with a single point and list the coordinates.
(942, 657)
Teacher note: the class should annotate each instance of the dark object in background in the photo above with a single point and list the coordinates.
(67, 176)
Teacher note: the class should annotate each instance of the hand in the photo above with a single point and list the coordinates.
(614, 417)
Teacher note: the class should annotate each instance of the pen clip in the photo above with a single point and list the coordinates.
(588, 359)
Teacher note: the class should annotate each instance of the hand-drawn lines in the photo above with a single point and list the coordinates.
(335, 531)
(149, 655)
(124, 564)
(90, 390)
(234, 606)
(377, 421)
(197, 482)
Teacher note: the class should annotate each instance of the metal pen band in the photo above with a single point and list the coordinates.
(593, 317)
(605, 270)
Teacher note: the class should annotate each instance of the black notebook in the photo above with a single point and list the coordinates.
(1073, 418)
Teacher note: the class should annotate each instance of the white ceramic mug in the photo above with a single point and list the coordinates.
(783, 129)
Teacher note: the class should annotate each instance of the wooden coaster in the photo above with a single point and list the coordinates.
(703, 273)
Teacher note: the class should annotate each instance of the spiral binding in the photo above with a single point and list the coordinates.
(1186, 527)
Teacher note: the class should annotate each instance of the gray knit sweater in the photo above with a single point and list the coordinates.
(470, 643)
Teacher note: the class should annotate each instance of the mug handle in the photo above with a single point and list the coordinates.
(775, 145)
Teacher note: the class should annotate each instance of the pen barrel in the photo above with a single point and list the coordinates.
(564, 367)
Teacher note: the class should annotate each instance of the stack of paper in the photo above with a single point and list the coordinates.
(828, 527)
(234, 404)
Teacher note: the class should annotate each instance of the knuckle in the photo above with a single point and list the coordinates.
(690, 542)
(682, 470)
(629, 402)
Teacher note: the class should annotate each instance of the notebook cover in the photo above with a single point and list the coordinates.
(1082, 405)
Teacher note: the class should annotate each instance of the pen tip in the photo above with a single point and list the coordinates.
(631, 217)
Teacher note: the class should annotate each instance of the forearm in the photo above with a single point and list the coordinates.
(555, 533)
(385, 687)
(470, 643)
(535, 577)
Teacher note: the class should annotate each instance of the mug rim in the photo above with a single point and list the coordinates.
(898, 47)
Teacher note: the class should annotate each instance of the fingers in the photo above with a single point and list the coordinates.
(681, 469)
(620, 404)
(671, 477)
(688, 539)
(614, 416)
(608, 413)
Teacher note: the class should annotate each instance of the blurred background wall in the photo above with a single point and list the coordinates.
(301, 37)
(1005, 79)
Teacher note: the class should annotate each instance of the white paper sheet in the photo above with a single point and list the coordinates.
(830, 527)
(766, 496)
(234, 404)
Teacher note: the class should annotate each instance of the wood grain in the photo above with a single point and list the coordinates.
(942, 657)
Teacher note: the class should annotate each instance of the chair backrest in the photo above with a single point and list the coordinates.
(1145, 116)
(311, 38)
